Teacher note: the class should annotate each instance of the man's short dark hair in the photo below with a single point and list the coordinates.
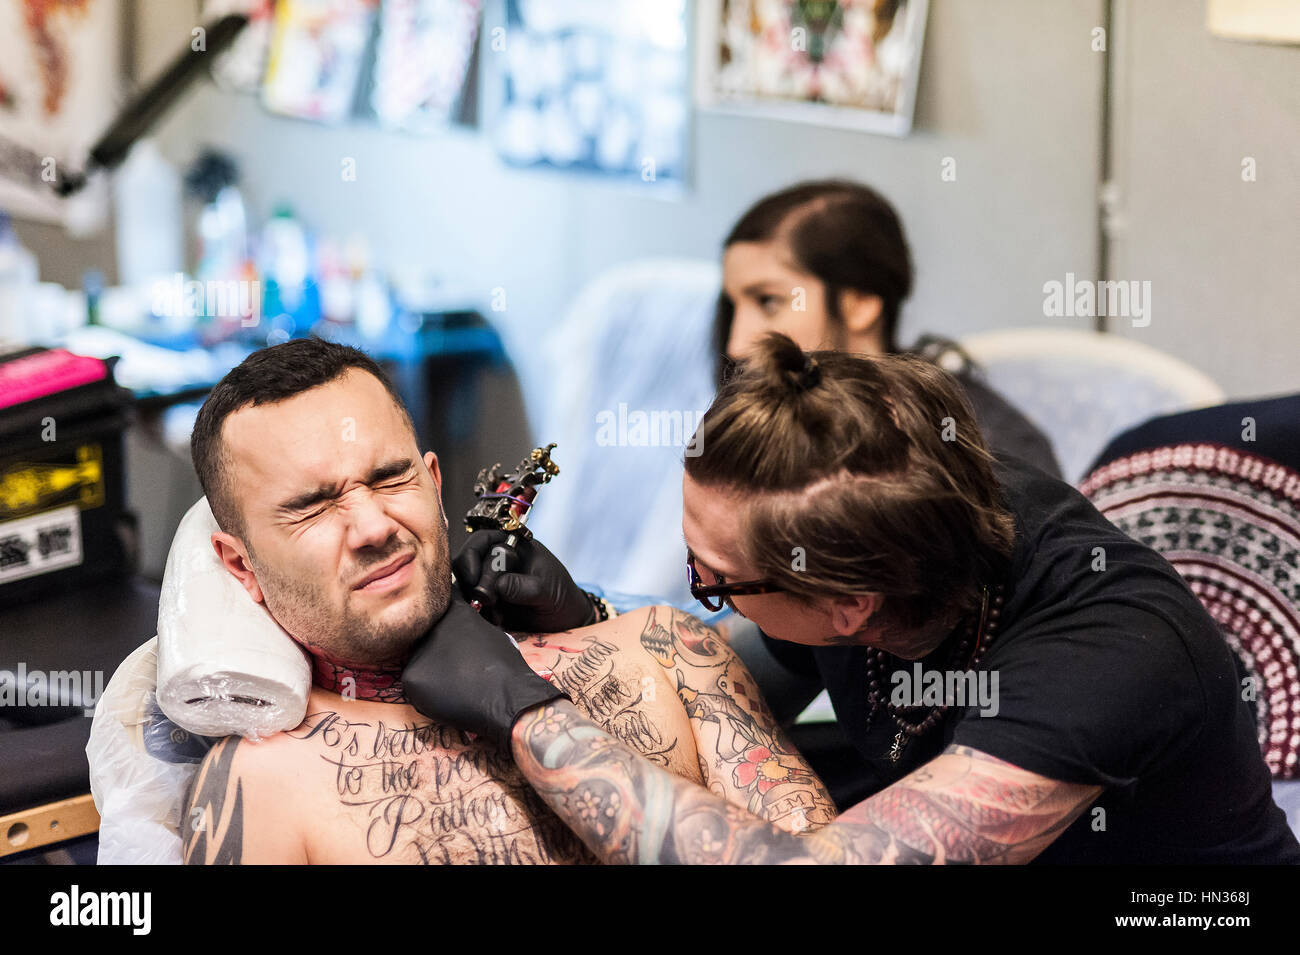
(267, 376)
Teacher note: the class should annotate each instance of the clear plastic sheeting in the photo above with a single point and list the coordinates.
(620, 384)
(225, 666)
(140, 796)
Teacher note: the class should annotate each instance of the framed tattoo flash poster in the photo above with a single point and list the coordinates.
(59, 90)
(316, 55)
(422, 60)
(596, 87)
(851, 63)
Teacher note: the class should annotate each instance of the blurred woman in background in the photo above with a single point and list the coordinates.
(827, 263)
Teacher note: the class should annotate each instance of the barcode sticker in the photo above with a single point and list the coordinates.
(40, 544)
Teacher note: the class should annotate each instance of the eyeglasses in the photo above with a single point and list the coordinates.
(714, 596)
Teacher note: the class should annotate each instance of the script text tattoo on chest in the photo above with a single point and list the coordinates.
(431, 788)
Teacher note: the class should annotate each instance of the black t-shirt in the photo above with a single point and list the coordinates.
(1115, 677)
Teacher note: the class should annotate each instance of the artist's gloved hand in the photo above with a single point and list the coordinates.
(536, 595)
(468, 674)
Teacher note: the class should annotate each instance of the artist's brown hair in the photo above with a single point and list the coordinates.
(867, 474)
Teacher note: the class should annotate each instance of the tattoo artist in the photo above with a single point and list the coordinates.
(827, 262)
(1028, 683)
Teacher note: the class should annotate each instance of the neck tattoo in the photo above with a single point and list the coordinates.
(355, 681)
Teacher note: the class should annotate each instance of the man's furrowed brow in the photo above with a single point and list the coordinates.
(327, 492)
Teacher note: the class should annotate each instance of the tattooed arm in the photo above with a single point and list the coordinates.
(745, 756)
(217, 827)
(964, 806)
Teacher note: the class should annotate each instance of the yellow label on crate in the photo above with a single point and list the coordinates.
(26, 488)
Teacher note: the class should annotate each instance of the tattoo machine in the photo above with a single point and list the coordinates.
(503, 502)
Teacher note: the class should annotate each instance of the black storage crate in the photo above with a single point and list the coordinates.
(63, 517)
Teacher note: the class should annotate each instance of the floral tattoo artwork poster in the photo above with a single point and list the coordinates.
(851, 63)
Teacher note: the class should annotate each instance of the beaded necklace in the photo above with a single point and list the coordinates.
(979, 632)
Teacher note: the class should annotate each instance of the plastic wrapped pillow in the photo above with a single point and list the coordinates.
(225, 667)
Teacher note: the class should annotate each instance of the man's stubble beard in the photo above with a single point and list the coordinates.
(355, 637)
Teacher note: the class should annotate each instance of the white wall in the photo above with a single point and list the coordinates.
(1010, 89)
(1222, 255)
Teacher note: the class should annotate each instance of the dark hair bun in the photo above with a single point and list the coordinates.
(784, 365)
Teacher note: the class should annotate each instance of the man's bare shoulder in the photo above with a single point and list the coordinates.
(744, 756)
(234, 808)
(254, 800)
(621, 631)
(568, 658)
(649, 633)
(274, 760)
(612, 675)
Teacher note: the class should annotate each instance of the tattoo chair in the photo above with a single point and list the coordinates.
(619, 384)
(1083, 388)
(1217, 492)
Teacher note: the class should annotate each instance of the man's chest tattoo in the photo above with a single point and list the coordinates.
(428, 793)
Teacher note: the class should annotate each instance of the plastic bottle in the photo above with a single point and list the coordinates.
(149, 220)
(374, 304)
(285, 257)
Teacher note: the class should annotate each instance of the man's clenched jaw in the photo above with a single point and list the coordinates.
(345, 533)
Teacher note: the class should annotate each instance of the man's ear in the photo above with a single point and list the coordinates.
(849, 615)
(233, 557)
(861, 313)
(431, 462)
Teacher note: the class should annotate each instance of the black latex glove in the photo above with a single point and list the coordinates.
(468, 674)
(536, 596)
